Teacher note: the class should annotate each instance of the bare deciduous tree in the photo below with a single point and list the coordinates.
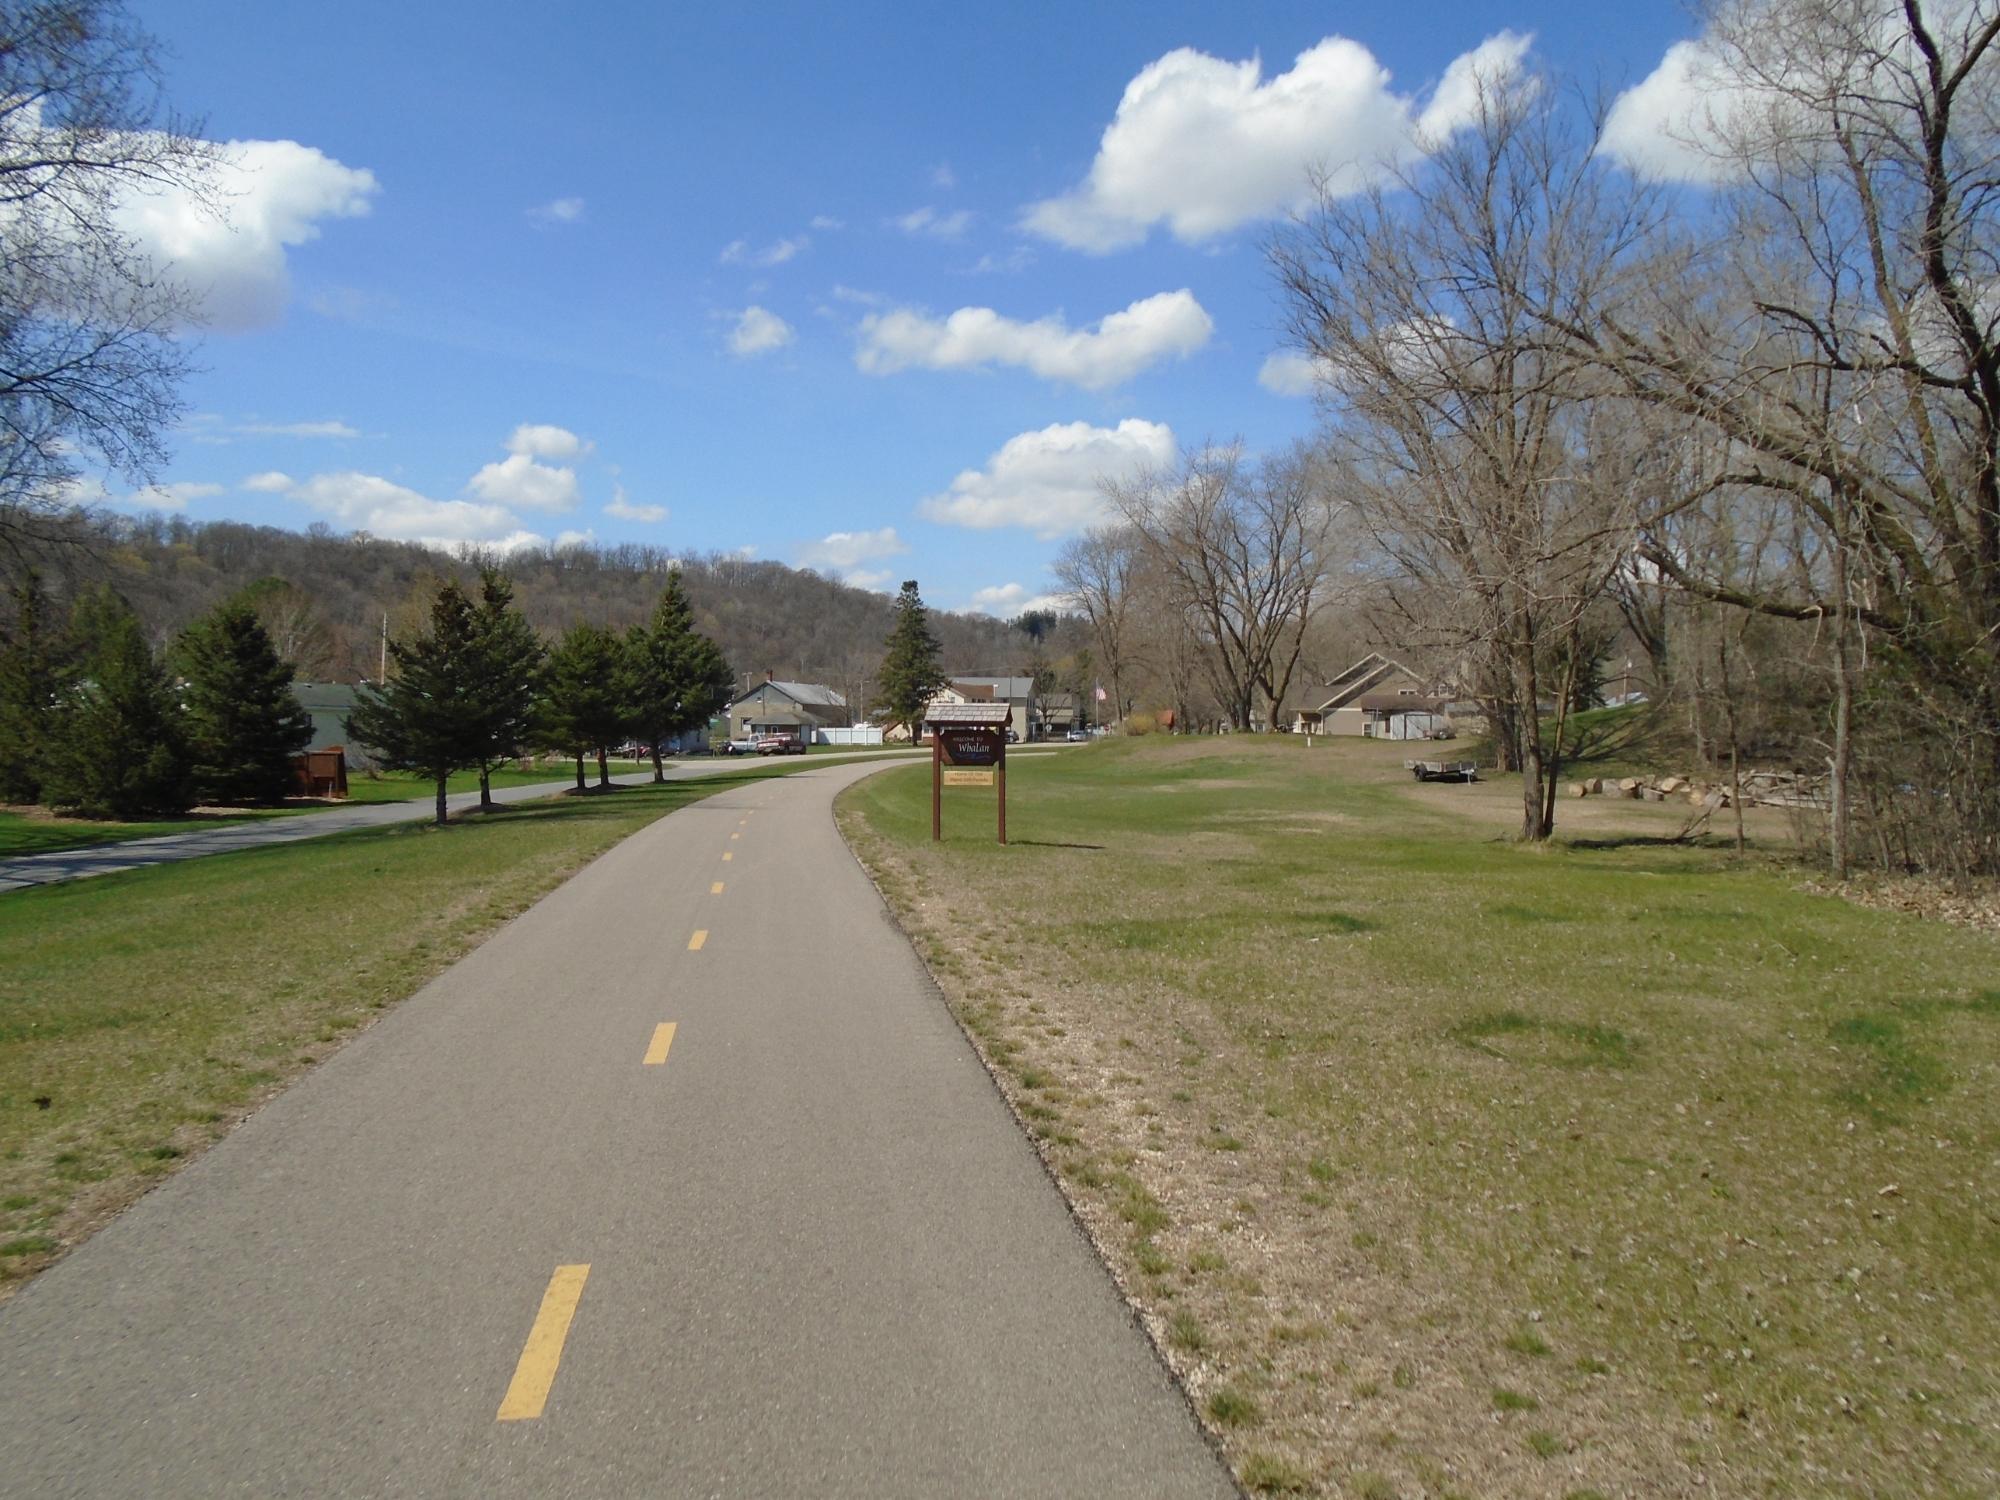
(1841, 341)
(1240, 554)
(1097, 571)
(1475, 441)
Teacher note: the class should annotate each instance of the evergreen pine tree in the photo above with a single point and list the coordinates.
(430, 716)
(508, 662)
(244, 724)
(673, 671)
(910, 672)
(583, 705)
(28, 676)
(117, 748)
(707, 683)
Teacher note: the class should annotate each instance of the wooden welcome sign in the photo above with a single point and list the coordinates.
(968, 748)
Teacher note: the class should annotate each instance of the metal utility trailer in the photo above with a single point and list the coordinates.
(1442, 770)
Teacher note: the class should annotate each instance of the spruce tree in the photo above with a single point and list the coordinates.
(507, 664)
(677, 676)
(583, 705)
(117, 748)
(707, 683)
(910, 672)
(430, 716)
(28, 677)
(244, 724)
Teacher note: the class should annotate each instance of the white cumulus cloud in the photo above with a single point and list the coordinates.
(381, 507)
(1049, 481)
(624, 510)
(1290, 373)
(1205, 145)
(542, 440)
(1108, 354)
(272, 197)
(270, 482)
(1667, 124)
(171, 496)
(1006, 600)
(846, 554)
(758, 331)
(518, 481)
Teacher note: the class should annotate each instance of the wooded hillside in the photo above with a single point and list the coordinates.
(766, 616)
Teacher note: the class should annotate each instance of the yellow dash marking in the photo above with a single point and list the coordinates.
(663, 1038)
(695, 942)
(528, 1392)
(727, 856)
(716, 889)
(736, 835)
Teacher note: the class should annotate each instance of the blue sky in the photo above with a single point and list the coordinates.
(830, 284)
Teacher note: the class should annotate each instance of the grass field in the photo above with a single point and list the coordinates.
(35, 831)
(142, 1014)
(1441, 1165)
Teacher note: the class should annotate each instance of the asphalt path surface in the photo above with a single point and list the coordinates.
(135, 854)
(490, 1248)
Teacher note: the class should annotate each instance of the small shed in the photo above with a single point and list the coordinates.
(321, 773)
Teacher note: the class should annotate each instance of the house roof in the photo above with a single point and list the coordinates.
(1396, 703)
(811, 694)
(1000, 687)
(805, 694)
(1370, 672)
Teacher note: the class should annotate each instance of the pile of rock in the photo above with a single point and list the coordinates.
(1760, 789)
(1661, 789)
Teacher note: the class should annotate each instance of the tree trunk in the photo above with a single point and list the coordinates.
(603, 767)
(1534, 820)
(486, 802)
(1552, 773)
(658, 774)
(1843, 720)
(440, 804)
(581, 784)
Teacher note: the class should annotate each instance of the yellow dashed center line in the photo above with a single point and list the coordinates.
(727, 856)
(716, 889)
(528, 1392)
(663, 1038)
(736, 835)
(695, 942)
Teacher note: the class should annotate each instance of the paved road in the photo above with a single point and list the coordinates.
(821, 1259)
(133, 854)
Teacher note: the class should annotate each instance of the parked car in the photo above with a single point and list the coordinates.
(780, 744)
(1077, 736)
(739, 747)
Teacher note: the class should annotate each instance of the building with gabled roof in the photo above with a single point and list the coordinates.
(1377, 697)
(796, 710)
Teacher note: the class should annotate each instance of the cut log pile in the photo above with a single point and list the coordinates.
(1760, 789)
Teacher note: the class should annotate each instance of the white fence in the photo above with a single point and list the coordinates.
(860, 734)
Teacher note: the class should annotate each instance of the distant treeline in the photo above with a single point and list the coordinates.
(336, 590)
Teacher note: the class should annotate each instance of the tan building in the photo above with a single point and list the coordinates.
(1378, 698)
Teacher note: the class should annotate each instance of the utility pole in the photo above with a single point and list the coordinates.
(383, 675)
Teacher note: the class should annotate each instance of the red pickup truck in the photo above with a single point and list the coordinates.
(780, 744)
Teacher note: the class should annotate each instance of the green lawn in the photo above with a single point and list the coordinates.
(38, 833)
(1441, 1164)
(142, 1013)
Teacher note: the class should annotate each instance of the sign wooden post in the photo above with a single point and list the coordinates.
(968, 748)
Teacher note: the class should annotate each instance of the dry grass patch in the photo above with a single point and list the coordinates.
(1387, 1117)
